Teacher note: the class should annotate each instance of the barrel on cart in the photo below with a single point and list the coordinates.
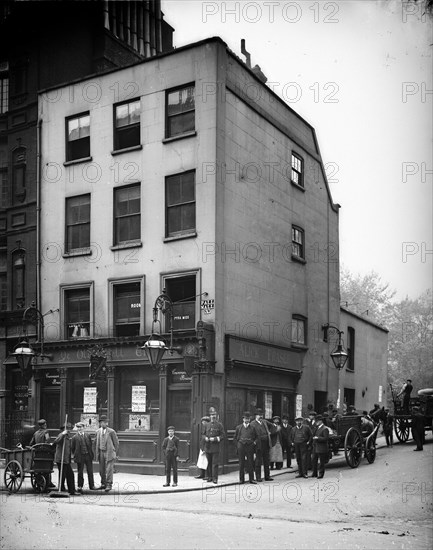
(36, 462)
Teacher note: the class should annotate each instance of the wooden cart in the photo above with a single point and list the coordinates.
(403, 417)
(36, 462)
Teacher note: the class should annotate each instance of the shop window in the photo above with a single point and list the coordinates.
(77, 223)
(77, 311)
(138, 399)
(180, 111)
(297, 174)
(180, 204)
(78, 137)
(127, 307)
(127, 125)
(18, 281)
(298, 243)
(350, 365)
(127, 217)
(299, 329)
(81, 390)
(19, 164)
(182, 291)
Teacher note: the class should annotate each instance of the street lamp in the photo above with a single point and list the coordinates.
(23, 352)
(155, 347)
(339, 356)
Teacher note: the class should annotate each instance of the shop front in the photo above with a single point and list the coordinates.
(258, 375)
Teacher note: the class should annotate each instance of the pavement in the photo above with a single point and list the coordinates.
(127, 483)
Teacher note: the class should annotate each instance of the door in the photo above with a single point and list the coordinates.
(179, 416)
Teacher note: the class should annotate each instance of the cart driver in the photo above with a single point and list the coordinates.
(41, 435)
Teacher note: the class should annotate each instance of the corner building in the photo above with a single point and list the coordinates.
(184, 172)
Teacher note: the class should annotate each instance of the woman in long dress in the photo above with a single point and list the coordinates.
(276, 452)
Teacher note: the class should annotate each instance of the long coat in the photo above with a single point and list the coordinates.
(213, 429)
(320, 445)
(112, 443)
(76, 447)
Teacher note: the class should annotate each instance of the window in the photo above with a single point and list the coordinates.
(182, 291)
(298, 245)
(127, 308)
(78, 137)
(3, 282)
(18, 278)
(127, 125)
(127, 217)
(180, 109)
(180, 201)
(297, 176)
(299, 329)
(19, 159)
(4, 195)
(77, 312)
(350, 365)
(4, 87)
(77, 223)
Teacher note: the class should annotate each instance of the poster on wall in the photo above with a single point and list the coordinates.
(298, 405)
(139, 422)
(90, 421)
(138, 399)
(268, 404)
(380, 394)
(89, 400)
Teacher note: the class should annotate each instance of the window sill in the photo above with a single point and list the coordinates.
(78, 252)
(300, 187)
(180, 136)
(350, 370)
(126, 150)
(179, 237)
(127, 244)
(77, 161)
(298, 259)
(301, 347)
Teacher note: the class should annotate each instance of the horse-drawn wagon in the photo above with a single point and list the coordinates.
(422, 404)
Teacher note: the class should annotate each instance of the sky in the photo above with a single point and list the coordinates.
(360, 72)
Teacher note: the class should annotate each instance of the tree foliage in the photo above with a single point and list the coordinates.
(409, 321)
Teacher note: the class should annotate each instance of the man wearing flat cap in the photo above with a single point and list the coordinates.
(245, 438)
(301, 439)
(83, 456)
(63, 458)
(320, 448)
(263, 428)
(213, 435)
(107, 446)
(42, 436)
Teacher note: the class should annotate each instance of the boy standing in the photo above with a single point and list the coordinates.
(170, 448)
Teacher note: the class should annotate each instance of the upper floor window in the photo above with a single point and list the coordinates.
(350, 365)
(182, 291)
(19, 159)
(78, 137)
(77, 311)
(18, 278)
(297, 176)
(180, 204)
(3, 282)
(77, 223)
(4, 194)
(4, 87)
(180, 111)
(127, 217)
(298, 243)
(298, 329)
(127, 307)
(127, 125)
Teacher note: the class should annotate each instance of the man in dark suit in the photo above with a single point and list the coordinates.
(311, 422)
(417, 425)
(204, 474)
(301, 439)
(213, 435)
(286, 431)
(320, 447)
(170, 449)
(263, 428)
(106, 447)
(245, 437)
(83, 456)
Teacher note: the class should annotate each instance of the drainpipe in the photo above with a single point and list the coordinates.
(38, 219)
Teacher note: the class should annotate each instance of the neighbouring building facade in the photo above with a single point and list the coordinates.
(184, 172)
(44, 44)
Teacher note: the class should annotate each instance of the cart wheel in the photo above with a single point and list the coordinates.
(13, 476)
(39, 483)
(401, 426)
(370, 450)
(353, 447)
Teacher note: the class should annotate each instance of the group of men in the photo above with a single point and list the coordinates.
(77, 446)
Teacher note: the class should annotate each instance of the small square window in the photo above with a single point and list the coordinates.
(78, 137)
(127, 125)
(298, 244)
(180, 111)
(297, 174)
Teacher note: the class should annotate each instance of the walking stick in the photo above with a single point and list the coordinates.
(59, 493)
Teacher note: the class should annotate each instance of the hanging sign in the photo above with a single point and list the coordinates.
(89, 400)
(138, 399)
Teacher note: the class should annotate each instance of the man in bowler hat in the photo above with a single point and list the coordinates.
(107, 446)
(245, 437)
(83, 456)
(263, 428)
(213, 435)
(286, 430)
(301, 439)
(320, 447)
